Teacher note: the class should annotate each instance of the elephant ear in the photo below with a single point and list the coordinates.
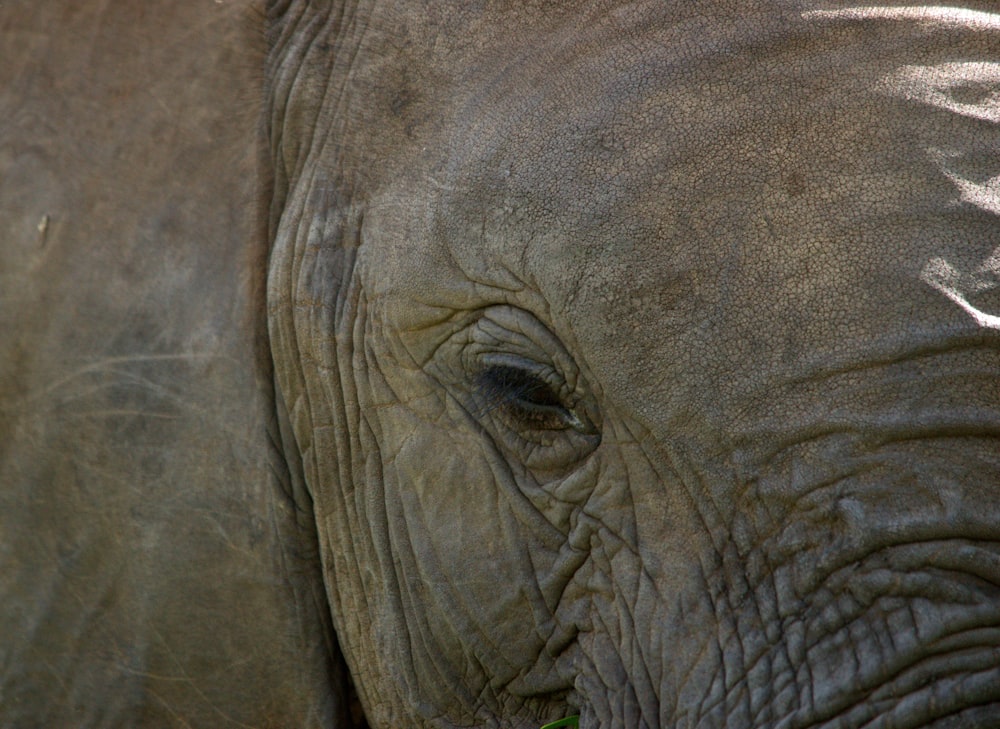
(158, 566)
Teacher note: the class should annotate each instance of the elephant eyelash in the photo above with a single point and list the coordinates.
(525, 398)
(503, 383)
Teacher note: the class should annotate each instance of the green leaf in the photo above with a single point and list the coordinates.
(573, 721)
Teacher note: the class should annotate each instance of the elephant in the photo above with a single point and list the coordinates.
(490, 364)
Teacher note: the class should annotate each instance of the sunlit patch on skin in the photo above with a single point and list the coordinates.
(971, 89)
(984, 195)
(958, 286)
(960, 17)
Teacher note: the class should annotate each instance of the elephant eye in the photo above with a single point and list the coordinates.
(526, 400)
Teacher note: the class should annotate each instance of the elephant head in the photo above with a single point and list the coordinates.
(619, 360)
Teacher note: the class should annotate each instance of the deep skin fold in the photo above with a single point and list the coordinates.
(725, 225)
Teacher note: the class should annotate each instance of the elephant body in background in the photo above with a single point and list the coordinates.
(478, 364)
(151, 567)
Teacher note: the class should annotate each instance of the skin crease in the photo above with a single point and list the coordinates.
(712, 231)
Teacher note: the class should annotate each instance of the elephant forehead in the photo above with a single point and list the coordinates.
(609, 144)
(708, 216)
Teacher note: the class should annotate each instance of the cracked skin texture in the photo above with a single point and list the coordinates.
(635, 360)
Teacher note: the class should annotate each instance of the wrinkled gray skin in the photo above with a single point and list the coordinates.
(635, 360)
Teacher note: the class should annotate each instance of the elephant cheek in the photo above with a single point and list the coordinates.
(464, 621)
(869, 598)
(643, 600)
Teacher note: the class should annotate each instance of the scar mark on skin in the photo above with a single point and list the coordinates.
(43, 230)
